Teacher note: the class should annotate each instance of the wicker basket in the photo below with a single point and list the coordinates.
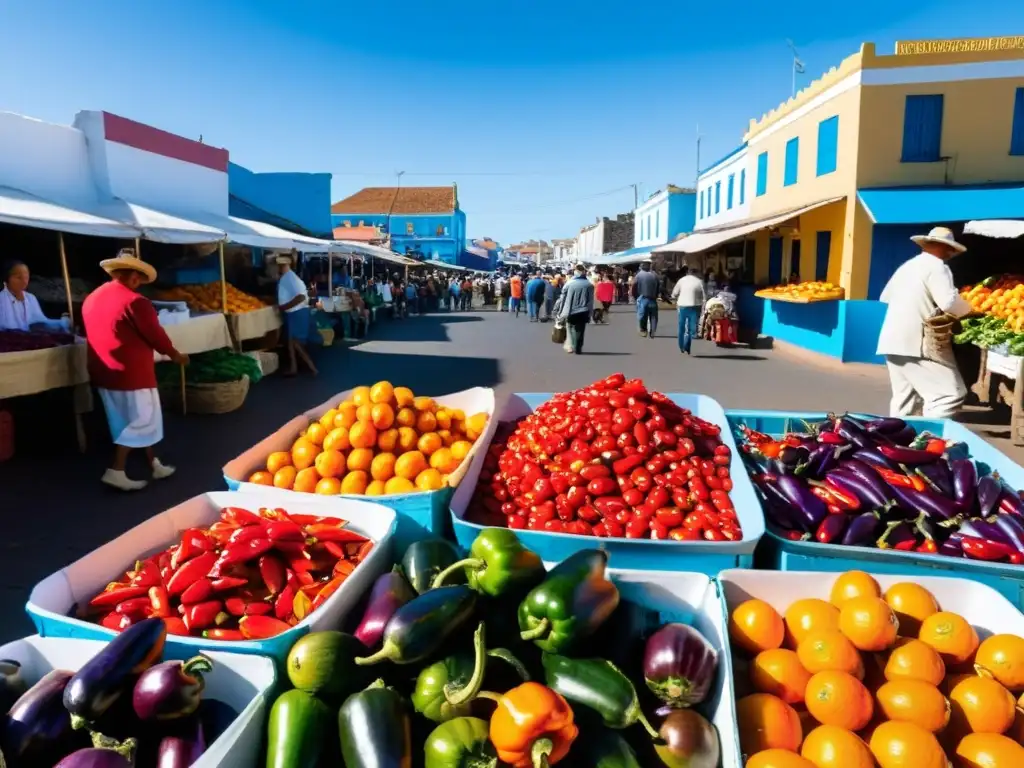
(327, 334)
(220, 397)
(269, 362)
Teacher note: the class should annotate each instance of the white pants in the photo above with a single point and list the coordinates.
(916, 380)
(134, 416)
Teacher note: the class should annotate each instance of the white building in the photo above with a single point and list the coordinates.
(724, 190)
(590, 241)
(563, 249)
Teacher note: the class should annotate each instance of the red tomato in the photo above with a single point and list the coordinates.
(670, 517)
(642, 479)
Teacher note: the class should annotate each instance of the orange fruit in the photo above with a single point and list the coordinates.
(989, 750)
(303, 453)
(261, 478)
(950, 635)
(337, 440)
(809, 615)
(285, 477)
(375, 488)
(853, 584)
(475, 425)
(330, 464)
(428, 443)
(424, 404)
(327, 420)
(457, 414)
(398, 485)
(382, 415)
(329, 486)
(981, 705)
(383, 466)
(361, 396)
(354, 482)
(278, 459)
(316, 433)
(410, 464)
(767, 722)
(360, 459)
(869, 623)
(364, 413)
(444, 418)
(778, 758)
(382, 392)
(362, 435)
(912, 604)
(426, 422)
(914, 701)
(446, 437)
(346, 415)
(429, 480)
(896, 744)
(387, 440)
(838, 698)
(407, 439)
(406, 417)
(442, 460)
(461, 449)
(306, 480)
(830, 650)
(829, 746)
(780, 673)
(1003, 657)
(403, 397)
(755, 626)
(915, 660)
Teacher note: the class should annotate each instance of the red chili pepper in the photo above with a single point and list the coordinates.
(224, 583)
(248, 533)
(329, 589)
(831, 438)
(334, 550)
(239, 552)
(221, 532)
(907, 545)
(175, 626)
(770, 450)
(133, 607)
(628, 464)
(159, 602)
(928, 546)
(285, 530)
(277, 513)
(235, 605)
(258, 609)
(903, 481)
(272, 571)
(240, 517)
(985, 549)
(198, 592)
(315, 519)
(839, 497)
(221, 633)
(333, 533)
(191, 572)
(343, 568)
(753, 435)
(285, 601)
(146, 574)
(193, 542)
(117, 595)
(112, 621)
(202, 615)
(261, 627)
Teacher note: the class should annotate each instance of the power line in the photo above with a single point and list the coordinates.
(551, 203)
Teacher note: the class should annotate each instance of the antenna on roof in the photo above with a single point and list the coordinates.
(798, 65)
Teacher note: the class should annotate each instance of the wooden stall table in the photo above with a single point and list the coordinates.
(256, 324)
(200, 333)
(1008, 367)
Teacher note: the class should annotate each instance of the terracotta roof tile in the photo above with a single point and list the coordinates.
(398, 200)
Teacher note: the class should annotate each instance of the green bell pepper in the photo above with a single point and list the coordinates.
(426, 558)
(497, 564)
(570, 604)
(460, 743)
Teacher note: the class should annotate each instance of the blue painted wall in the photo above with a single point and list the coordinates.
(845, 330)
(302, 198)
(863, 324)
(682, 214)
(890, 247)
(424, 239)
(659, 223)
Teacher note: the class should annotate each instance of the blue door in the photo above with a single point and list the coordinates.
(822, 255)
(775, 261)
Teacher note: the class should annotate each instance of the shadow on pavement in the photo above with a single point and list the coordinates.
(419, 328)
(732, 357)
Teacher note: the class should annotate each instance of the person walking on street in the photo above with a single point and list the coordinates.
(466, 295)
(918, 355)
(535, 296)
(515, 285)
(577, 307)
(646, 288)
(551, 291)
(501, 291)
(604, 294)
(688, 294)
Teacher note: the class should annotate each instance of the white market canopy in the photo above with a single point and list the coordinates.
(1004, 228)
(366, 250)
(162, 227)
(27, 210)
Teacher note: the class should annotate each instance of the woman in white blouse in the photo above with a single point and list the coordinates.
(19, 309)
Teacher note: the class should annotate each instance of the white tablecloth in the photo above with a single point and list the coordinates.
(39, 370)
(255, 324)
(202, 333)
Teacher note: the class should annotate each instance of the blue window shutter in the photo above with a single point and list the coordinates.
(710, 209)
(775, 261)
(729, 191)
(700, 212)
(743, 185)
(762, 173)
(657, 223)
(718, 196)
(821, 256)
(828, 145)
(1017, 131)
(922, 129)
(792, 159)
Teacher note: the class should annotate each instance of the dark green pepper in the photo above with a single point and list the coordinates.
(497, 564)
(460, 743)
(602, 748)
(425, 559)
(570, 604)
(296, 731)
(374, 729)
(598, 684)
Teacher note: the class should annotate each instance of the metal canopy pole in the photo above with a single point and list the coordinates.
(67, 279)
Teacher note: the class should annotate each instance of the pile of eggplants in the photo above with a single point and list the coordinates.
(123, 709)
(876, 482)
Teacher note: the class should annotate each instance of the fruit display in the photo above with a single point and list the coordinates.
(492, 661)
(612, 459)
(207, 298)
(28, 341)
(382, 440)
(875, 482)
(871, 678)
(124, 708)
(1000, 299)
(804, 293)
(212, 367)
(248, 576)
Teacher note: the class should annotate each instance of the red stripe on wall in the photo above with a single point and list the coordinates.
(150, 139)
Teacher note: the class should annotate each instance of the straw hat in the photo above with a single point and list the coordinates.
(126, 259)
(942, 236)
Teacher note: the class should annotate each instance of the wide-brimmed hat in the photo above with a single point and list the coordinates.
(126, 259)
(942, 236)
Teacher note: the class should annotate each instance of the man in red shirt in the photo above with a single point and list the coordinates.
(122, 331)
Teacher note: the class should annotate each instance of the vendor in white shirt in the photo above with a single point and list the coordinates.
(920, 289)
(293, 300)
(19, 309)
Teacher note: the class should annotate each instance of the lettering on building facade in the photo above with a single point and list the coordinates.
(966, 45)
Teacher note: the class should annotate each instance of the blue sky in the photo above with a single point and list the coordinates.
(542, 112)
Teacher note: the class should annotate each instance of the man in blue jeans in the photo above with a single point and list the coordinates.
(646, 288)
(688, 294)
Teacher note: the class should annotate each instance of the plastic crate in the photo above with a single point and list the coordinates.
(643, 554)
(242, 682)
(54, 597)
(420, 514)
(785, 555)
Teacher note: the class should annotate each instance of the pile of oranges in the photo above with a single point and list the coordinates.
(870, 679)
(382, 440)
(207, 298)
(1002, 297)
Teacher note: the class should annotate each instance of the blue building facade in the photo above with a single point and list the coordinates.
(300, 202)
(664, 216)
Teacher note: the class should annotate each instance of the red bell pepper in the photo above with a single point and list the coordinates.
(261, 627)
(175, 626)
(224, 583)
(118, 594)
(329, 589)
(284, 603)
(936, 446)
(159, 602)
(191, 572)
(272, 571)
(202, 615)
(222, 633)
(240, 517)
(332, 533)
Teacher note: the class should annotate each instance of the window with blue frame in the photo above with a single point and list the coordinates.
(700, 209)
(743, 185)
(762, 174)
(828, 145)
(1017, 130)
(922, 129)
(792, 162)
(718, 196)
(648, 226)
(657, 223)
(729, 190)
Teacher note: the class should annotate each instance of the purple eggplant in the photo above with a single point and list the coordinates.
(965, 481)
(390, 592)
(37, 731)
(810, 507)
(1011, 503)
(780, 511)
(938, 476)
(872, 457)
(95, 758)
(862, 530)
(850, 430)
(989, 490)
(904, 437)
(687, 741)
(12, 684)
(910, 457)
(184, 746)
(952, 547)
(986, 528)
(832, 528)
(1013, 528)
(935, 507)
(171, 690)
(885, 425)
(679, 665)
(855, 484)
(897, 535)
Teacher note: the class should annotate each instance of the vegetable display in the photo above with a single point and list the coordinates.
(806, 292)
(217, 366)
(875, 482)
(448, 684)
(27, 341)
(611, 460)
(248, 576)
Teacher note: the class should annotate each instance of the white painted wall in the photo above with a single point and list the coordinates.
(650, 225)
(45, 159)
(590, 241)
(564, 251)
(720, 173)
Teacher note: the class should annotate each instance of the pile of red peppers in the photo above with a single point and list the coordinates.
(249, 576)
(613, 460)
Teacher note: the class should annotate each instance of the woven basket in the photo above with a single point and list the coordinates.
(220, 397)
(327, 334)
(269, 362)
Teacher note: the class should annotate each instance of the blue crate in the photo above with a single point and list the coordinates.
(785, 555)
(641, 554)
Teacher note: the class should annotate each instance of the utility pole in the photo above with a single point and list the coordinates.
(697, 173)
(798, 66)
(636, 197)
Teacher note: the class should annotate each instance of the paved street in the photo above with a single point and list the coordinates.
(54, 510)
